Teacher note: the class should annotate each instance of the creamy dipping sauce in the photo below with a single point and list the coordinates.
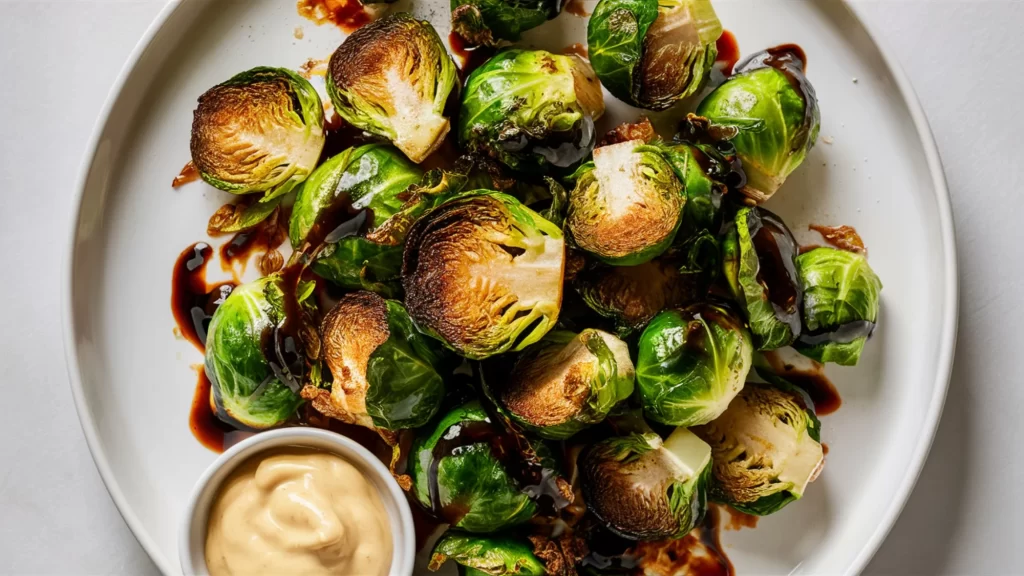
(298, 511)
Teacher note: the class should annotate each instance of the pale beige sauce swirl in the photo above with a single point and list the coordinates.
(298, 511)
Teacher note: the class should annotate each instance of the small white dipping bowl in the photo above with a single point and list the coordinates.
(192, 535)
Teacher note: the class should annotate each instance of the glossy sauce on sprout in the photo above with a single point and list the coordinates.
(210, 431)
(776, 250)
(728, 52)
(348, 15)
(791, 61)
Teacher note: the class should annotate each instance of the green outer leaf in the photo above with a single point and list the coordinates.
(245, 393)
(494, 555)
(527, 95)
(503, 19)
(355, 263)
(839, 287)
(769, 112)
(691, 363)
(700, 213)
(473, 478)
(740, 267)
(615, 43)
(309, 118)
(405, 389)
(371, 116)
(373, 175)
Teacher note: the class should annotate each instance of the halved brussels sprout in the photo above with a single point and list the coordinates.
(759, 263)
(692, 362)
(693, 166)
(627, 207)
(385, 371)
(531, 110)
(766, 447)
(461, 472)
(483, 274)
(773, 107)
(261, 131)
(653, 53)
(841, 302)
(493, 555)
(644, 488)
(487, 22)
(632, 295)
(392, 78)
(248, 391)
(566, 382)
(368, 177)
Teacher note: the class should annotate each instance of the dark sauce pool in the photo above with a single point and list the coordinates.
(193, 301)
(728, 52)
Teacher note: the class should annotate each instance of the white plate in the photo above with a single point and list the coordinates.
(132, 379)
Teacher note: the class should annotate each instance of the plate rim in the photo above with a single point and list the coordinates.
(947, 337)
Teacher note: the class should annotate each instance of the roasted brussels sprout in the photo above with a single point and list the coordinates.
(487, 22)
(653, 53)
(483, 274)
(460, 472)
(368, 177)
(773, 108)
(392, 78)
(758, 261)
(631, 295)
(493, 555)
(385, 371)
(703, 192)
(531, 110)
(644, 488)
(247, 390)
(566, 382)
(627, 207)
(261, 131)
(692, 362)
(841, 301)
(765, 447)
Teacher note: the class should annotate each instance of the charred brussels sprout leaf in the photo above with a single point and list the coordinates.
(493, 555)
(385, 371)
(458, 475)
(841, 302)
(759, 264)
(368, 177)
(392, 78)
(766, 447)
(483, 274)
(531, 110)
(627, 208)
(652, 53)
(692, 362)
(486, 22)
(631, 295)
(355, 263)
(644, 488)
(246, 390)
(775, 112)
(261, 131)
(567, 382)
(436, 188)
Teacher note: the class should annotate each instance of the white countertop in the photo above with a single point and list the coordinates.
(58, 59)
